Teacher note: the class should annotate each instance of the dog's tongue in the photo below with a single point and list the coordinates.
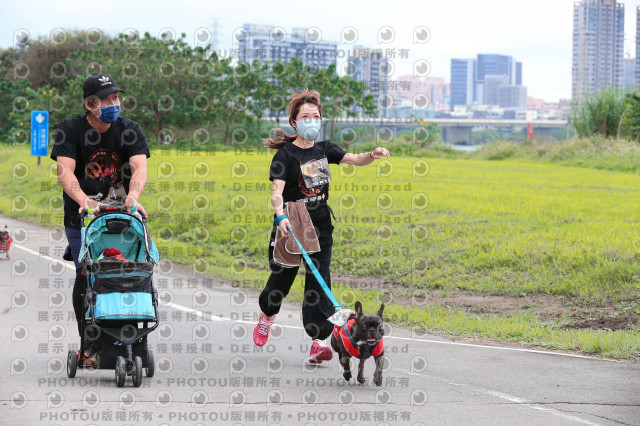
(370, 341)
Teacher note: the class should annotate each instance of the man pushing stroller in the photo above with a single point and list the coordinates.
(96, 153)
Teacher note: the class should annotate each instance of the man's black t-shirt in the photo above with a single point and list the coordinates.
(75, 138)
(305, 171)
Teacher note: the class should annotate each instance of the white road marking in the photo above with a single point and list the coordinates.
(438, 342)
(503, 348)
(490, 392)
(35, 253)
(501, 395)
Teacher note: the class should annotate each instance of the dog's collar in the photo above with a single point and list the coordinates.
(364, 350)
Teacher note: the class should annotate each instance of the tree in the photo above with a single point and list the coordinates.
(12, 103)
(341, 96)
(426, 133)
(630, 121)
(234, 103)
(168, 83)
(43, 60)
(599, 113)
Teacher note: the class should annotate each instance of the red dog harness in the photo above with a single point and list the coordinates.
(4, 245)
(363, 351)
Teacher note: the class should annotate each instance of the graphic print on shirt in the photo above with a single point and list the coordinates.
(96, 168)
(314, 175)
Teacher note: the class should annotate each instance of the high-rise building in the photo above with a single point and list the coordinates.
(598, 42)
(269, 43)
(463, 77)
(638, 47)
(407, 87)
(476, 80)
(492, 64)
(491, 84)
(369, 66)
(629, 72)
(436, 89)
(512, 97)
(516, 75)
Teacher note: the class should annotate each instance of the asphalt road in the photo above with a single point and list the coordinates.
(209, 371)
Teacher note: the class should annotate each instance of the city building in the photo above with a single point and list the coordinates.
(437, 89)
(638, 47)
(407, 87)
(477, 80)
(491, 84)
(512, 97)
(270, 43)
(629, 73)
(538, 105)
(493, 64)
(517, 74)
(549, 110)
(598, 42)
(463, 76)
(368, 65)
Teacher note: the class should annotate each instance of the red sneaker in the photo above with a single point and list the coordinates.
(319, 352)
(261, 332)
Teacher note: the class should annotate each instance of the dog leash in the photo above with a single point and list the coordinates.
(324, 286)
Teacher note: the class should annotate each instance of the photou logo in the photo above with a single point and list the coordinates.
(199, 365)
(348, 35)
(237, 398)
(346, 398)
(386, 35)
(275, 365)
(19, 300)
(421, 35)
(239, 298)
(274, 398)
(199, 399)
(19, 333)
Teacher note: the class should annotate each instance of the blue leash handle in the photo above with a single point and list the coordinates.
(324, 286)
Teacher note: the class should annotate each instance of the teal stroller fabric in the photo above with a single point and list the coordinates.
(134, 243)
(124, 306)
(122, 287)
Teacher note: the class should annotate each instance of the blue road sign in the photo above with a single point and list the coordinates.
(39, 133)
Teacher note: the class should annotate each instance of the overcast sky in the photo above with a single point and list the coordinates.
(536, 32)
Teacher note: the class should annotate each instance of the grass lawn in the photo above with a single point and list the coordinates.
(504, 250)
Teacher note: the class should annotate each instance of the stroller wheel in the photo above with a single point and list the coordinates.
(72, 364)
(137, 372)
(151, 368)
(121, 371)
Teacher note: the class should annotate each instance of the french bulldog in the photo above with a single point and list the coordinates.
(5, 241)
(361, 337)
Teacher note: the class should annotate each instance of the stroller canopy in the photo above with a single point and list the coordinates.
(124, 232)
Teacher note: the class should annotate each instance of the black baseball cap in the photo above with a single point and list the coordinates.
(100, 85)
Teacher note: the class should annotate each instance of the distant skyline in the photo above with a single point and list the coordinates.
(536, 33)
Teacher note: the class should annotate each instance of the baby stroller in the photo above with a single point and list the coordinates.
(121, 301)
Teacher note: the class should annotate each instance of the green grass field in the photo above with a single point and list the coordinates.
(409, 231)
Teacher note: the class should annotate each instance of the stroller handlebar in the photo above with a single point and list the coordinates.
(104, 209)
(112, 209)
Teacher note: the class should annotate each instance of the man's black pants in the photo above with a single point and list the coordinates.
(79, 289)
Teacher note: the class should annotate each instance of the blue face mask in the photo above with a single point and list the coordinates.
(109, 113)
(309, 129)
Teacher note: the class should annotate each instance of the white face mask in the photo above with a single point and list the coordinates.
(309, 129)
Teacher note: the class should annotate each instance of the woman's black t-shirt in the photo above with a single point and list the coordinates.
(305, 171)
(75, 138)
